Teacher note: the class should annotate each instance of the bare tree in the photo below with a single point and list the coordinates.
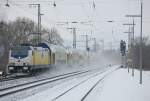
(145, 53)
(53, 36)
(4, 40)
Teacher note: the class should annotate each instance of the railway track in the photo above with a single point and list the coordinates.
(91, 89)
(29, 85)
(15, 77)
(71, 91)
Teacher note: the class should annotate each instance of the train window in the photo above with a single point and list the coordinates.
(20, 51)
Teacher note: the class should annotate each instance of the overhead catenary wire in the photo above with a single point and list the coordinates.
(20, 5)
(25, 8)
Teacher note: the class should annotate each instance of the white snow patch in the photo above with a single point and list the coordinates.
(121, 86)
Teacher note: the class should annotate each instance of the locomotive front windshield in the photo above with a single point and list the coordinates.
(20, 52)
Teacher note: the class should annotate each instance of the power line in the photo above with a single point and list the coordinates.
(25, 9)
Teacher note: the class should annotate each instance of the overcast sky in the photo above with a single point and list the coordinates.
(83, 11)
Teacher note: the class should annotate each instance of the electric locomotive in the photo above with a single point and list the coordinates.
(27, 58)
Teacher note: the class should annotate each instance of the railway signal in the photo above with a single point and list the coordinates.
(123, 47)
(54, 4)
(7, 4)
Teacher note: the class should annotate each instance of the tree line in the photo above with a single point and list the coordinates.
(134, 53)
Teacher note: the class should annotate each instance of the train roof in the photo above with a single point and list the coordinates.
(52, 47)
(59, 48)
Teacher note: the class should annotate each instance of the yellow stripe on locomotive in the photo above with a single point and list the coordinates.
(41, 56)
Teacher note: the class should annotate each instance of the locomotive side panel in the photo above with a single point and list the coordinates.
(41, 58)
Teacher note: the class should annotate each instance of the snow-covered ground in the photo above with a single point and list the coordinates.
(121, 86)
(76, 88)
(118, 86)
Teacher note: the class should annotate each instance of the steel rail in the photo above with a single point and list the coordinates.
(21, 87)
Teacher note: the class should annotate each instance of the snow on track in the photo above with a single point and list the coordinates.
(56, 71)
(14, 89)
(73, 90)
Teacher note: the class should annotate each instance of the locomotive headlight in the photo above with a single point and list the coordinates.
(25, 64)
(11, 68)
(25, 68)
(12, 64)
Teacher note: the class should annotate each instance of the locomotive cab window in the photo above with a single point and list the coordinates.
(21, 52)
